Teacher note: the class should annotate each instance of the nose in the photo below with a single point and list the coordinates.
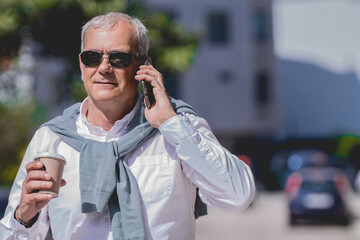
(105, 66)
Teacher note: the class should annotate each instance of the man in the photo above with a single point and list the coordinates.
(132, 172)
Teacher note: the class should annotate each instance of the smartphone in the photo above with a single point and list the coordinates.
(146, 88)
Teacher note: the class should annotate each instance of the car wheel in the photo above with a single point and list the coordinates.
(344, 221)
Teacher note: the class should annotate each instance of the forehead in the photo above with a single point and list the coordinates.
(120, 36)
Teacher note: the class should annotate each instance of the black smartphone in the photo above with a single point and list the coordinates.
(146, 88)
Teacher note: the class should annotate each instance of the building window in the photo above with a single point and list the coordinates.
(225, 77)
(262, 88)
(218, 27)
(260, 25)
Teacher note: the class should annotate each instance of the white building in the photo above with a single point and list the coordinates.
(232, 81)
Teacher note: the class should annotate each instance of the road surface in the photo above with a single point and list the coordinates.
(266, 219)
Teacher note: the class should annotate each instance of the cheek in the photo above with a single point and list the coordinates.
(132, 82)
(86, 74)
(126, 77)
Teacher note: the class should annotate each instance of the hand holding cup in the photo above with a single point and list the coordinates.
(40, 186)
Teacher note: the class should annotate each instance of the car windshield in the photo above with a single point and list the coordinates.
(318, 186)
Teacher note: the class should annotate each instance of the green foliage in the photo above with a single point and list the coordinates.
(171, 47)
(9, 22)
(15, 125)
(77, 90)
(346, 144)
(93, 7)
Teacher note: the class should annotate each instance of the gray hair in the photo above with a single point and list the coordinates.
(109, 20)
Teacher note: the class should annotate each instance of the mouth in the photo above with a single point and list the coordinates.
(106, 83)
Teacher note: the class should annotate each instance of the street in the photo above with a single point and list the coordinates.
(266, 219)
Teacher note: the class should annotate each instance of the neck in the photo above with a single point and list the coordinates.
(105, 114)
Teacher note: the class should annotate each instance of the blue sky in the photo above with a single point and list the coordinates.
(323, 32)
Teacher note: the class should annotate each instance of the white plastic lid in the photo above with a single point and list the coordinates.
(50, 155)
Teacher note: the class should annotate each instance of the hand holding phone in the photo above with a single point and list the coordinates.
(146, 88)
(158, 110)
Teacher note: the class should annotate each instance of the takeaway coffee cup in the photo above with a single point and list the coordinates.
(54, 165)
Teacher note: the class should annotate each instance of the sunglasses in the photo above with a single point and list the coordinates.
(116, 59)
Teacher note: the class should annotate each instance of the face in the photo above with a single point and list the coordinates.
(104, 83)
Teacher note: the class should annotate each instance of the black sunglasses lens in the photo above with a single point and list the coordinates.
(91, 58)
(120, 60)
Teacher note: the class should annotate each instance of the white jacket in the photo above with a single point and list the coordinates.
(183, 155)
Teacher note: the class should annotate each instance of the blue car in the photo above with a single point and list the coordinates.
(316, 195)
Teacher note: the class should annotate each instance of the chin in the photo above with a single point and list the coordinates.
(107, 97)
(111, 95)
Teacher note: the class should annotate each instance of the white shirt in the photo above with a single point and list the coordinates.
(183, 155)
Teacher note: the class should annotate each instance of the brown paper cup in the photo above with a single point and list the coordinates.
(54, 165)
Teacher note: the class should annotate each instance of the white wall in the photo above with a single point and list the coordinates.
(230, 107)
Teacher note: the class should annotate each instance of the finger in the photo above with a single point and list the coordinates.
(38, 175)
(150, 70)
(38, 185)
(146, 77)
(34, 165)
(150, 76)
(63, 183)
(146, 72)
(156, 86)
(146, 67)
(35, 197)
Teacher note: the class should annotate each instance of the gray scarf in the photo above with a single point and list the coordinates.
(102, 169)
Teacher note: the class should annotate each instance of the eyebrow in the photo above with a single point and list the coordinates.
(113, 51)
(110, 51)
